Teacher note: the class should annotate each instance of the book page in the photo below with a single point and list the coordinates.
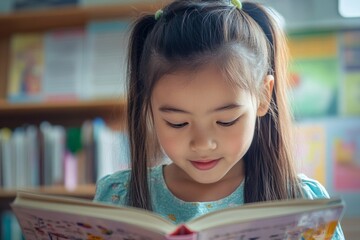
(66, 212)
(319, 224)
(39, 224)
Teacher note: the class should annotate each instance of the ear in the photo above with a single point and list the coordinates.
(266, 94)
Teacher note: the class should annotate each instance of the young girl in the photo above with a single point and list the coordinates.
(207, 89)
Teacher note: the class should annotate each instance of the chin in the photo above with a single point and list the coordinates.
(206, 179)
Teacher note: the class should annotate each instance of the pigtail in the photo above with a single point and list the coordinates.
(270, 174)
(138, 194)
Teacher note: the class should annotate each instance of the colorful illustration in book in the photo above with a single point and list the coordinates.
(26, 67)
(304, 227)
(315, 75)
(324, 231)
(310, 150)
(316, 225)
(46, 228)
(344, 147)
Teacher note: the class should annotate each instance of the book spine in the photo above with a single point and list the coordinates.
(182, 233)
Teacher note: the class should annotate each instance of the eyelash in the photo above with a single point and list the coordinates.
(228, 124)
(223, 124)
(180, 125)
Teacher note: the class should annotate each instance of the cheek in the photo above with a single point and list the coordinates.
(171, 148)
(169, 141)
(237, 146)
(239, 141)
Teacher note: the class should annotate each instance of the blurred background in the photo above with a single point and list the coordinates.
(62, 74)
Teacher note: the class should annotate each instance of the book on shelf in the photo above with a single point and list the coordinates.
(44, 216)
(110, 2)
(26, 68)
(64, 56)
(51, 154)
(41, 4)
(105, 61)
(78, 63)
(5, 6)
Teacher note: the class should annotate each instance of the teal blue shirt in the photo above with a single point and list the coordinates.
(113, 189)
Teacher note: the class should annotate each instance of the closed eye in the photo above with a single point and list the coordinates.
(228, 124)
(176, 125)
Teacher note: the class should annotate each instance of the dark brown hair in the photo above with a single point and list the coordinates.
(247, 44)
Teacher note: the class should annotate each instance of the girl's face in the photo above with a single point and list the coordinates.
(204, 124)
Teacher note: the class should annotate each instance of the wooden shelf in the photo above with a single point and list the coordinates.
(64, 113)
(76, 105)
(85, 191)
(38, 20)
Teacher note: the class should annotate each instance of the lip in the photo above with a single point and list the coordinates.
(205, 164)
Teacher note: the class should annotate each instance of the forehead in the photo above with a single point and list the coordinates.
(231, 62)
(207, 86)
(187, 79)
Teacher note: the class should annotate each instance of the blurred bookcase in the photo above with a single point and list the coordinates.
(319, 73)
(67, 113)
(325, 80)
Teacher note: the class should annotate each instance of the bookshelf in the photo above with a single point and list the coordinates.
(70, 16)
(42, 20)
(66, 113)
(70, 112)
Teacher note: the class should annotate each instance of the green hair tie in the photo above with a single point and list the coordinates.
(237, 4)
(158, 14)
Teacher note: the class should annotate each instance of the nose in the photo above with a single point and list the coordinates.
(202, 141)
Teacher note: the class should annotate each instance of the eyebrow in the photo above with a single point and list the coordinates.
(170, 109)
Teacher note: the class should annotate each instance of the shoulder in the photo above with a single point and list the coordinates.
(113, 188)
(312, 189)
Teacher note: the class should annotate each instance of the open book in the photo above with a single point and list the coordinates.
(51, 217)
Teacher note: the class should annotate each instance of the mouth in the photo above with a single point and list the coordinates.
(205, 164)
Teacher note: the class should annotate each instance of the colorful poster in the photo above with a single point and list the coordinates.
(350, 56)
(315, 87)
(344, 153)
(314, 75)
(351, 94)
(310, 150)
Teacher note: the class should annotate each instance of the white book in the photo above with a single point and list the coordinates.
(106, 51)
(70, 218)
(108, 2)
(122, 155)
(21, 165)
(5, 6)
(105, 152)
(33, 157)
(57, 154)
(64, 56)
